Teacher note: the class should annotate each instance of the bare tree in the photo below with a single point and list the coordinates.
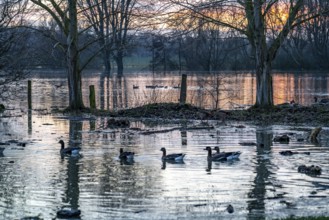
(111, 21)
(317, 31)
(98, 17)
(65, 14)
(120, 21)
(296, 45)
(11, 50)
(266, 25)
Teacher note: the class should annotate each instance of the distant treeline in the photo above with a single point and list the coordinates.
(202, 50)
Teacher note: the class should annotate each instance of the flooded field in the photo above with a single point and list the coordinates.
(262, 184)
(211, 91)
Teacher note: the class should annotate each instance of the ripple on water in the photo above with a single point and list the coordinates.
(262, 183)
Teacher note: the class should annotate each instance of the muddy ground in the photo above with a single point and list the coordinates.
(282, 114)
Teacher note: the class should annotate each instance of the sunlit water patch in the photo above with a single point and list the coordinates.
(230, 90)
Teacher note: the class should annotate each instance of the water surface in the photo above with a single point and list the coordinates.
(262, 184)
(220, 90)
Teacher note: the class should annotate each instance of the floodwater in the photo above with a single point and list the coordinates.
(261, 184)
(224, 90)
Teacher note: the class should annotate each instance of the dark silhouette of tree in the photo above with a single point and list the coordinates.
(111, 20)
(317, 31)
(164, 54)
(65, 15)
(266, 25)
(12, 50)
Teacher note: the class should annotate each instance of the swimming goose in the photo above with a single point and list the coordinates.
(227, 155)
(175, 157)
(322, 101)
(222, 156)
(74, 151)
(126, 155)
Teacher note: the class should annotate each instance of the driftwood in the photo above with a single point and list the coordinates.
(248, 143)
(282, 139)
(314, 134)
(176, 128)
(159, 131)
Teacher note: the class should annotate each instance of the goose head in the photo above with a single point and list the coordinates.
(209, 151)
(217, 149)
(62, 143)
(164, 151)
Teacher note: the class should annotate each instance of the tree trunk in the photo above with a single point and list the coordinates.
(119, 61)
(107, 61)
(264, 94)
(74, 74)
(106, 54)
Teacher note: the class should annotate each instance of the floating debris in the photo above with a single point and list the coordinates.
(118, 123)
(240, 126)
(31, 218)
(282, 139)
(47, 124)
(248, 143)
(310, 170)
(22, 144)
(314, 134)
(68, 213)
(289, 153)
(200, 205)
(230, 209)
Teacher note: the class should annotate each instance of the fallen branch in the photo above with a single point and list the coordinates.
(176, 128)
(314, 134)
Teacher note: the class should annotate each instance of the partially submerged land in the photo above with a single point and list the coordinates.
(314, 115)
(284, 114)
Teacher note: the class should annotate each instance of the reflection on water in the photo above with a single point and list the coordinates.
(257, 195)
(36, 181)
(225, 90)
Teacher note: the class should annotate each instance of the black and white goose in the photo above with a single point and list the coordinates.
(126, 155)
(218, 156)
(71, 151)
(171, 157)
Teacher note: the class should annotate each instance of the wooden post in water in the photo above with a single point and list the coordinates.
(29, 122)
(92, 125)
(92, 99)
(29, 94)
(183, 88)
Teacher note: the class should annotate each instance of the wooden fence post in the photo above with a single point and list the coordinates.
(183, 89)
(29, 94)
(92, 99)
